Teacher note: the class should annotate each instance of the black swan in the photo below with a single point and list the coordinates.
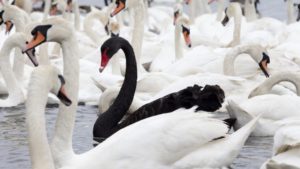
(210, 98)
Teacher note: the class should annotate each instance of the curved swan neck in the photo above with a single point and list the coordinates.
(268, 84)
(13, 86)
(62, 141)
(118, 109)
(255, 51)
(35, 111)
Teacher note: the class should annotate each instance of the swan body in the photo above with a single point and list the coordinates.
(156, 154)
(266, 86)
(273, 113)
(286, 148)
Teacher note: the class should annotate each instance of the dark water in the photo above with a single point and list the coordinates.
(14, 149)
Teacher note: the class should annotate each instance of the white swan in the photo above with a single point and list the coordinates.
(182, 24)
(273, 113)
(138, 30)
(257, 52)
(14, 85)
(43, 80)
(286, 148)
(208, 135)
(267, 85)
(234, 10)
(13, 15)
(166, 127)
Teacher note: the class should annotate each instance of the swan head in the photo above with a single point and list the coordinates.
(57, 6)
(108, 49)
(184, 22)
(177, 12)
(7, 16)
(226, 18)
(120, 5)
(263, 64)
(54, 30)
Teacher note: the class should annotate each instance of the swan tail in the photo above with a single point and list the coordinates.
(235, 111)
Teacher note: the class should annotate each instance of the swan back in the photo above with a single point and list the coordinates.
(177, 133)
(286, 138)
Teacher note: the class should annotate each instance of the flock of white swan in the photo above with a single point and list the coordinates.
(158, 50)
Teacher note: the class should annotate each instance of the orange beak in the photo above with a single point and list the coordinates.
(120, 7)
(9, 26)
(37, 40)
(187, 39)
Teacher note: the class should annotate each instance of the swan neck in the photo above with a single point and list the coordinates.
(138, 33)
(237, 15)
(273, 80)
(228, 65)
(9, 77)
(118, 109)
(220, 10)
(178, 45)
(62, 141)
(290, 9)
(125, 97)
(35, 114)
(47, 9)
(250, 12)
